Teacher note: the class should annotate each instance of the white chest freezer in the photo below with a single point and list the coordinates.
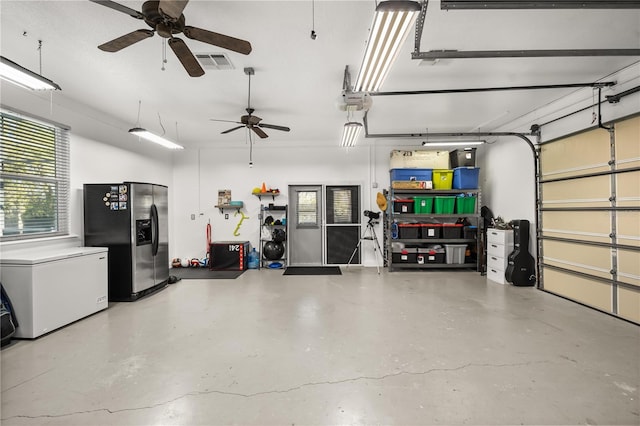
(52, 287)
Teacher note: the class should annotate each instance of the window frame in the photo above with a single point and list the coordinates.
(55, 181)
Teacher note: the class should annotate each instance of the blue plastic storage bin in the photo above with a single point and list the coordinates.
(465, 177)
(411, 174)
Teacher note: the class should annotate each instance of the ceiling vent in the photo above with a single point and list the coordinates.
(214, 61)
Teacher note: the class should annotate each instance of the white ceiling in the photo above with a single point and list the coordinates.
(298, 81)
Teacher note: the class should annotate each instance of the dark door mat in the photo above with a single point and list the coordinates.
(313, 270)
(204, 274)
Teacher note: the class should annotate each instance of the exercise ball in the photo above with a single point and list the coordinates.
(273, 250)
(279, 235)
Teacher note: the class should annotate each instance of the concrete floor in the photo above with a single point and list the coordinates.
(401, 348)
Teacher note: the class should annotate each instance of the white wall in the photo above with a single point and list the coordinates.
(198, 175)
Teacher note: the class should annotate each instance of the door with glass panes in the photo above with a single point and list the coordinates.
(342, 224)
(324, 224)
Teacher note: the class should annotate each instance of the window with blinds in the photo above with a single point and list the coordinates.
(307, 208)
(34, 178)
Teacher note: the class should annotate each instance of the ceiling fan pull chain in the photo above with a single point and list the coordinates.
(164, 53)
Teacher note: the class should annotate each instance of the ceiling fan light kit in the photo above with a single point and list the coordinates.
(391, 25)
(165, 18)
(20, 76)
(152, 137)
(350, 134)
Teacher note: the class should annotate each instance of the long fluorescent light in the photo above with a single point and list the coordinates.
(20, 76)
(453, 143)
(391, 25)
(350, 133)
(145, 134)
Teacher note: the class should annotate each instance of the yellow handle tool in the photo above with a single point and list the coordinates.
(235, 232)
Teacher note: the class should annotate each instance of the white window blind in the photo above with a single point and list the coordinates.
(307, 208)
(342, 211)
(34, 177)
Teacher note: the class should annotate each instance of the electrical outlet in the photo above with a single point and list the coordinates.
(226, 215)
(193, 216)
(374, 185)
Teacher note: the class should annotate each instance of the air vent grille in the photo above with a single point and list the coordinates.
(214, 61)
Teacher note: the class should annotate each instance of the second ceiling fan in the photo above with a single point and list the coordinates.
(250, 121)
(165, 18)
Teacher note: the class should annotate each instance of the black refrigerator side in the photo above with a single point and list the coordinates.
(107, 223)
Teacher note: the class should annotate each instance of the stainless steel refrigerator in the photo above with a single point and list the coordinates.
(131, 219)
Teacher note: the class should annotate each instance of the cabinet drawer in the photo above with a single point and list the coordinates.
(496, 262)
(500, 236)
(498, 250)
(496, 275)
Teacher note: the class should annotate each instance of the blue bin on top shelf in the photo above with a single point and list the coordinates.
(465, 177)
(411, 174)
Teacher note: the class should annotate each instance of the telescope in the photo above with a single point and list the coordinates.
(372, 215)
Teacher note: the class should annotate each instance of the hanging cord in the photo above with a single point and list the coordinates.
(313, 20)
(250, 149)
(139, 107)
(164, 53)
(160, 120)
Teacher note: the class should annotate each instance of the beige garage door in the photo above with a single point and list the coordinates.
(590, 218)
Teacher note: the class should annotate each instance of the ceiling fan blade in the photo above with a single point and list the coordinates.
(273, 126)
(125, 40)
(220, 40)
(189, 62)
(120, 8)
(172, 8)
(231, 130)
(259, 132)
(225, 121)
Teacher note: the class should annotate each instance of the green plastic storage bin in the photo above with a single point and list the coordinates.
(443, 204)
(422, 205)
(465, 205)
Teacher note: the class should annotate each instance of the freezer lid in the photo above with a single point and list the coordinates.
(43, 255)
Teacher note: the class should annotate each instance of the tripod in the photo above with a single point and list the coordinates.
(368, 234)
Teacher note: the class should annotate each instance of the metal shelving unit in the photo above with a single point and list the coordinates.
(391, 217)
(278, 213)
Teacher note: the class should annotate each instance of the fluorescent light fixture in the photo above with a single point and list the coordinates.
(391, 25)
(453, 143)
(20, 76)
(350, 133)
(145, 134)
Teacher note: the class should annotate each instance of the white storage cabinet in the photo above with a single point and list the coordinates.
(499, 246)
(52, 288)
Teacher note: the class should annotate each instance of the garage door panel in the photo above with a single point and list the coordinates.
(629, 266)
(590, 292)
(586, 192)
(586, 226)
(588, 259)
(628, 143)
(628, 228)
(629, 303)
(628, 189)
(579, 154)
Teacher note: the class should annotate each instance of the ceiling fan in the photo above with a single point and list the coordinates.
(165, 17)
(250, 121)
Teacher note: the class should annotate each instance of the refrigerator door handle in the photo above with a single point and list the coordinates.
(155, 229)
